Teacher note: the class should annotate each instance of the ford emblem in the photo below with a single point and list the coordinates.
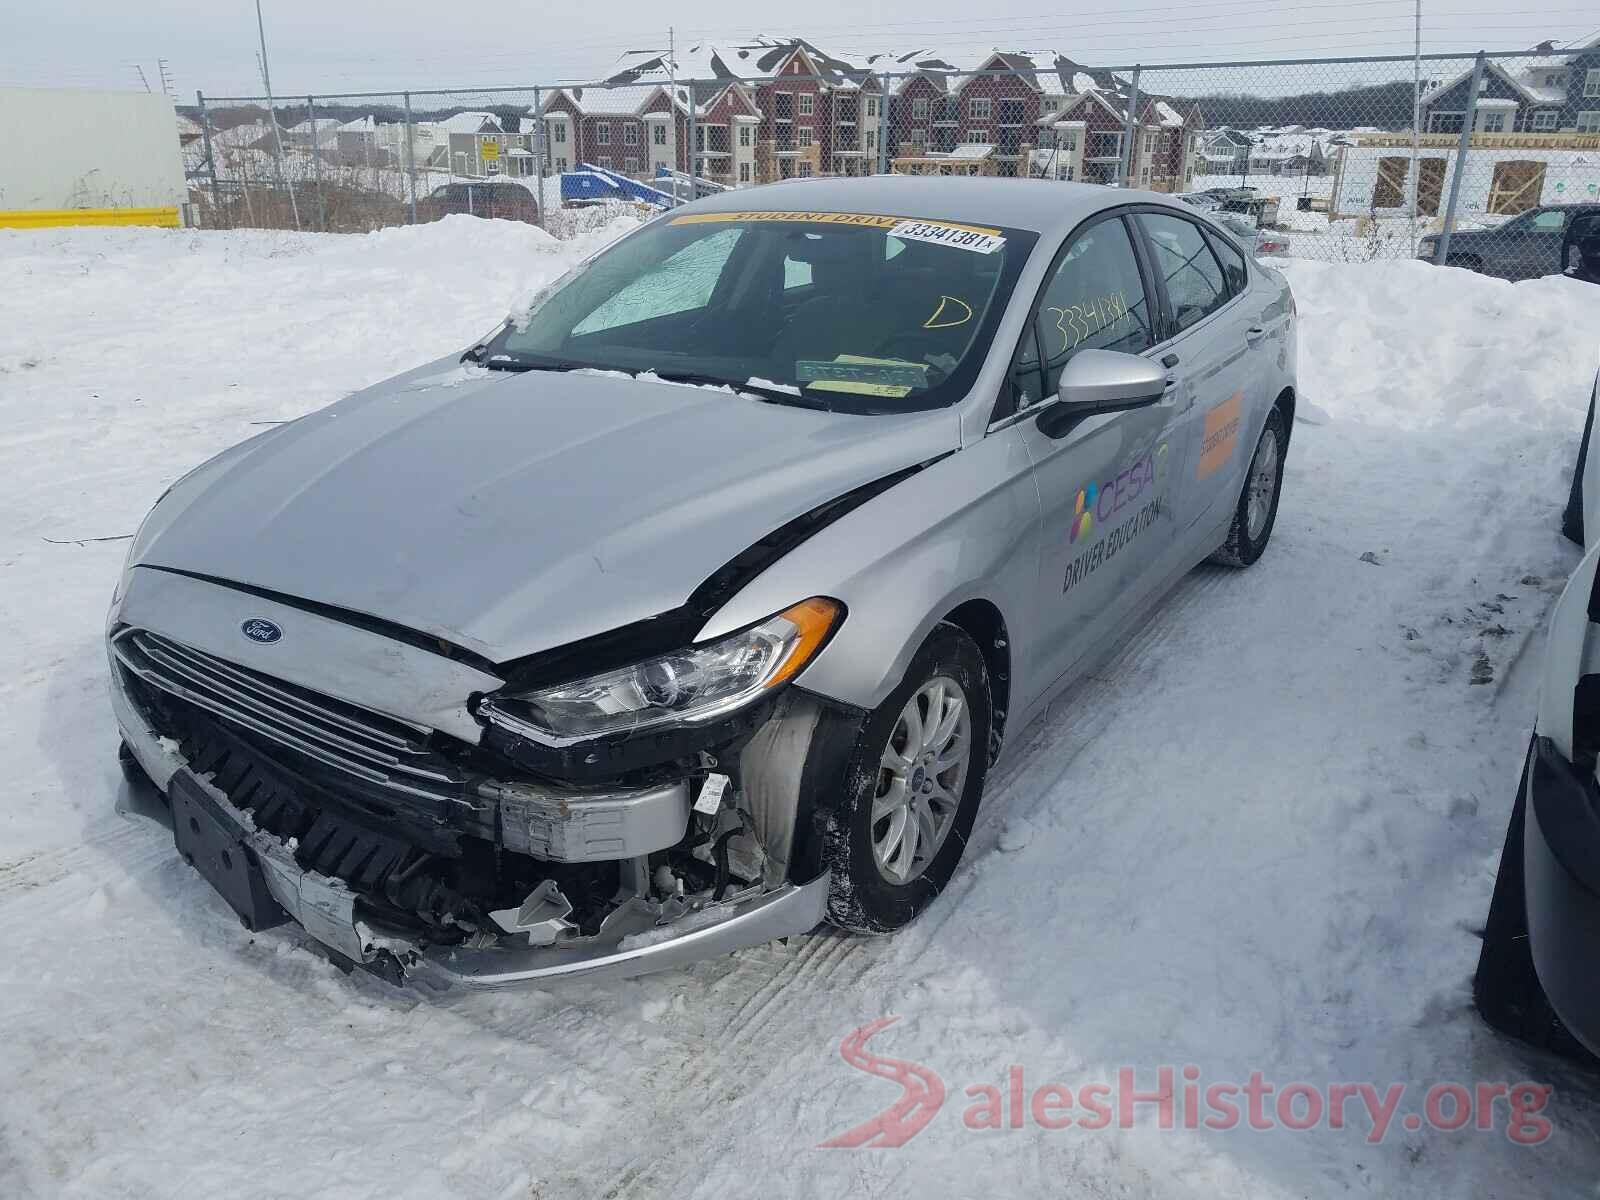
(259, 629)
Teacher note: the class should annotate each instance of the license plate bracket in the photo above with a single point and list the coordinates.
(213, 844)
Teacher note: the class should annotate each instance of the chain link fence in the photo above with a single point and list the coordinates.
(1484, 161)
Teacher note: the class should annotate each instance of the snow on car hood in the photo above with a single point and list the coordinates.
(510, 513)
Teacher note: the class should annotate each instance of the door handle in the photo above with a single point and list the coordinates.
(1254, 334)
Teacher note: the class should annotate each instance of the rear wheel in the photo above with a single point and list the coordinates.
(896, 832)
(1257, 510)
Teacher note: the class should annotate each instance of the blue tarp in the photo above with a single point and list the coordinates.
(591, 183)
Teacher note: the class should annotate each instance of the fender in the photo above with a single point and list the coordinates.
(963, 528)
(1571, 652)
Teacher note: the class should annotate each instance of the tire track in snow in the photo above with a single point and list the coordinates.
(728, 1061)
(39, 879)
(817, 961)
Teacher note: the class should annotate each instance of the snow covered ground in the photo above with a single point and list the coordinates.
(1259, 840)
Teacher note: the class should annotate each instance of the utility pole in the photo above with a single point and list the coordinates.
(1415, 181)
(672, 108)
(272, 115)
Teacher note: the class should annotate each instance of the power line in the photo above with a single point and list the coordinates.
(1212, 9)
(1251, 5)
(1103, 34)
(1107, 44)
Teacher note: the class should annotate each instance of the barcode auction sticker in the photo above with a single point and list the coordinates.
(710, 799)
(948, 235)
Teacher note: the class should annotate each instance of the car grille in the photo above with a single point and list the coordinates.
(392, 754)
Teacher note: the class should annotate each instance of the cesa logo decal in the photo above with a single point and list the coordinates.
(1099, 503)
(1124, 506)
(259, 629)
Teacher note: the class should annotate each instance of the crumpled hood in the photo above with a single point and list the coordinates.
(510, 513)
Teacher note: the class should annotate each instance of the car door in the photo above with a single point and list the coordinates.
(1215, 327)
(1102, 480)
(1529, 246)
(1584, 224)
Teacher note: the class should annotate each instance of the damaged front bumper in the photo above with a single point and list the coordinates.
(622, 834)
(326, 908)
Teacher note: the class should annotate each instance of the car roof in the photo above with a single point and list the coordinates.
(1041, 205)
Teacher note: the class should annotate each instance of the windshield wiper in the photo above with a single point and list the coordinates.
(518, 362)
(771, 395)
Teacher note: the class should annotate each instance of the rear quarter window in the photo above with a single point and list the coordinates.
(1233, 264)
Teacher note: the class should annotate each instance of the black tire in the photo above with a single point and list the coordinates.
(860, 898)
(1506, 988)
(1240, 550)
(1467, 262)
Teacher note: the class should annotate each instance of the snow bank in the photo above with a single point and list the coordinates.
(1411, 345)
(1258, 839)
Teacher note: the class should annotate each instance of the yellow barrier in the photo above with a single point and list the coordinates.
(167, 218)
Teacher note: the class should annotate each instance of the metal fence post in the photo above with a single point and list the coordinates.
(538, 147)
(411, 161)
(316, 163)
(1443, 252)
(211, 162)
(691, 130)
(1130, 151)
(885, 129)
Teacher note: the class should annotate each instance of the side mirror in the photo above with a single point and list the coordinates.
(1101, 381)
(1098, 381)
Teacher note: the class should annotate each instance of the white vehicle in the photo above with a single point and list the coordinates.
(1538, 976)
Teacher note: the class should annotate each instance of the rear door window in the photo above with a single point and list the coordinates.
(1195, 284)
(1233, 267)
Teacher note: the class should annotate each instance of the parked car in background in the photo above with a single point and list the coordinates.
(1525, 247)
(1264, 243)
(1538, 976)
(1580, 248)
(690, 607)
(504, 199)
(1209, 200)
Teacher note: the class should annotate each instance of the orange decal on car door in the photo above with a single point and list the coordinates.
(1219, 435)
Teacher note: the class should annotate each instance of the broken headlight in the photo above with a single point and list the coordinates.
(689, 686)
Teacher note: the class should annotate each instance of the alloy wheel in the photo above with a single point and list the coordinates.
(1263, 484)
(921, 776)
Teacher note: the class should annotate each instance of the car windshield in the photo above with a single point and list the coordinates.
(856, 312)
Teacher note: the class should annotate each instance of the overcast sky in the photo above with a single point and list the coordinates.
(360, 45)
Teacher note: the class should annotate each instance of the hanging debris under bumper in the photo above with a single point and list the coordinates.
(327, 909)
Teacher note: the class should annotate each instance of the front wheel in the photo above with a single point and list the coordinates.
(897, 828)
(1257, 510)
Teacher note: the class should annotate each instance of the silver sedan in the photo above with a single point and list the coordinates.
(692, 606)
